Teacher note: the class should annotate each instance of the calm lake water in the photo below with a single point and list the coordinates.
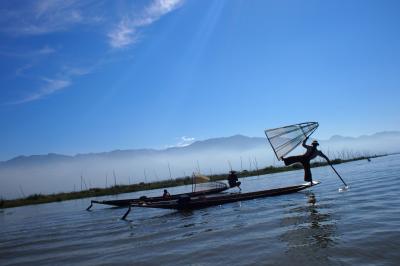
(318, 226)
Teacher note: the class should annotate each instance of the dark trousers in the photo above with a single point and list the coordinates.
(234, 183)
(305, 162)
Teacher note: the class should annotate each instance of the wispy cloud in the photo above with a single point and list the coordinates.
(46, 50)
(53, 85)
(50, 86)
(29, 54)
(71, 71)
(123, 35)
(126, 32)
(20, 72)
(183, 142)
(32, 58)
(46, 16)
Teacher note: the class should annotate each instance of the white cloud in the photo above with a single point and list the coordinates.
(46, 50)
(46, 16)
(123, 35)
(182, 142)
(76, 71)
(185, 141)
(29, 54)
(126, 32)
(51, 86)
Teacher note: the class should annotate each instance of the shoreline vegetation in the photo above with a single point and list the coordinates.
(180, 181)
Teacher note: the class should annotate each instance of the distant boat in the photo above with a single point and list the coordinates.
(218, 187)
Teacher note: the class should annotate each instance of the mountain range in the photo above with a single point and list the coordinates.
(56, 172)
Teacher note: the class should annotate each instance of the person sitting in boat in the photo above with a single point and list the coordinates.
(233, 180)
(166, 194)
(305, 159)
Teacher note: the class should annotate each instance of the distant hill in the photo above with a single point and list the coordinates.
(382, 142)
(56, 172)
(237, 143)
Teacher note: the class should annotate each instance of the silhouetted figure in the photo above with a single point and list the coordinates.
(233, 180)
(166, 194)
(305, 159)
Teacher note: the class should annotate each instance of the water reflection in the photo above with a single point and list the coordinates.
(322, 225)
(310, 230)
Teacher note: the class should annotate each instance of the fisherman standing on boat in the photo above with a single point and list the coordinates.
(233, 180)
(311, 153)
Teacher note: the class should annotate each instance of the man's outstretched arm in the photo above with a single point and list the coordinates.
(324, 156)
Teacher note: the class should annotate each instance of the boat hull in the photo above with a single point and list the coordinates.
(192, 203)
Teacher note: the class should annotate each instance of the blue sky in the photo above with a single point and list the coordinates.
(90, 76)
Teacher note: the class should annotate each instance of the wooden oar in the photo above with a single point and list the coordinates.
(338, 174)
(127, 212)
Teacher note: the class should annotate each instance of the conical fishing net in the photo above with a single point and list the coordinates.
(285, 139)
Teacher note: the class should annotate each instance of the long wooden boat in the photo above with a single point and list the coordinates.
(191, 203)
(127, 202)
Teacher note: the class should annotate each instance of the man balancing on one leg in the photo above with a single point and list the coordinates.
(305, 159)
